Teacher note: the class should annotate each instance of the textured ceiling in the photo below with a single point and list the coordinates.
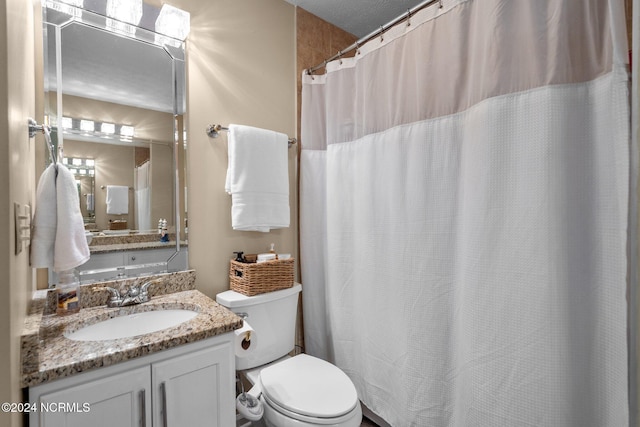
(358, 17)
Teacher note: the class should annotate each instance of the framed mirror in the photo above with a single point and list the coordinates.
(115, 100)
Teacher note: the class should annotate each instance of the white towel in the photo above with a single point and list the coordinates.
(59, 240)
(90, 203)
(117, 199)
(71, 248)
(45, 220)
(258, 179)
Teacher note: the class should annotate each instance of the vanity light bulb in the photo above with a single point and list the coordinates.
(109, 128)
(83, 171)
(86, 125)
(90, 162)
(92, 172)
(126, 131)
(76, 162)
(67, 123)
(65, 161)
(173, 22)
(129, 11)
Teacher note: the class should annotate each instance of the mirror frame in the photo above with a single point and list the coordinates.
(65, 15)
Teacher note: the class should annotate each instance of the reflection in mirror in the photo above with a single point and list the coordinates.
(115, 100)
(84, 172)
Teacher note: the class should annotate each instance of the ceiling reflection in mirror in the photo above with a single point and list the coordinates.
(115, 96)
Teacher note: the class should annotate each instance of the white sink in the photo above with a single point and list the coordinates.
(132, 325)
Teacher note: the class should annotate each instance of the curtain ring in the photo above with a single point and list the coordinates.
(340, 56)
(408, 17)
(357, 48)
(441, 5)
(381, 33)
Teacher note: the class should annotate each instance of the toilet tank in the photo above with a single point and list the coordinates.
(273, 318)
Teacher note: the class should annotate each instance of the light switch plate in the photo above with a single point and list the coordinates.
(22, 219)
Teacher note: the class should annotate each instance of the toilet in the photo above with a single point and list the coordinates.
(300, 391)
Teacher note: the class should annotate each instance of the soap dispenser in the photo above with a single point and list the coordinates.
(67, 293)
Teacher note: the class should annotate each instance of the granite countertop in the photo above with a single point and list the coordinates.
(121, 247)
(48, 355)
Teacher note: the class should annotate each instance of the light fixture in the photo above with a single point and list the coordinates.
(67, 123)
(76, 161)
(126, 130)
(90, 162)
(173, 22)
(109, 128)
(87, 125)
(129, 11)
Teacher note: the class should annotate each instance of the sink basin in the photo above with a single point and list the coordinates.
(132, 325)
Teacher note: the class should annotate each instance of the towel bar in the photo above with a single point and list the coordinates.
(102, 187)
(214, 130)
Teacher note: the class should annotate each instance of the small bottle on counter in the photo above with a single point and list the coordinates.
(67, 290)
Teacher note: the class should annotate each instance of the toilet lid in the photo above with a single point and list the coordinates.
(309, 386)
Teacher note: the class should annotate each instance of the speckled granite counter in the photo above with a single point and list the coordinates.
(48, 355)
(121, 247)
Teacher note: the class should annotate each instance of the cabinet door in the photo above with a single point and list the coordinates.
(120, 400)
(149, 256)
(195, 389)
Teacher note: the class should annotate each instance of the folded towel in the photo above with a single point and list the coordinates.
(117, 199)
(45, 220)
(258, 179)
(71, 248)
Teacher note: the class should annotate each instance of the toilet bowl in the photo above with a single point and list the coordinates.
(307, 391)
(298, 391)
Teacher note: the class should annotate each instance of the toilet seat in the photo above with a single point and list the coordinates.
(310, 390)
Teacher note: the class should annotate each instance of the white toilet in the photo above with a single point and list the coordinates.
(300, 391)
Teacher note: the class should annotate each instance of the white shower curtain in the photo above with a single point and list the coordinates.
(464, 186)
(143, 197)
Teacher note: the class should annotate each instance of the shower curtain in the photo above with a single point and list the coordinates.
(464, 185)
(143, 197)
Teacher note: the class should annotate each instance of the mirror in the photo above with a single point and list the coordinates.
(115, 100)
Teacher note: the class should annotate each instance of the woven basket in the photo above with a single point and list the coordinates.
(258, 278)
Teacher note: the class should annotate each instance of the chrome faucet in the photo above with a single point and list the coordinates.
(135, 294)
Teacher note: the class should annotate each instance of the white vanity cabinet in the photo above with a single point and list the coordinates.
(191, 385)
(131, 263)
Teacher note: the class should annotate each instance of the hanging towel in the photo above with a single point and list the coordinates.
(59, 240)
(117, 199)
(71, 248)
(44, 220)
(90, 203)
(258, 179)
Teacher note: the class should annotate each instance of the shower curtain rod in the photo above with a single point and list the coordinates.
(214, 130)
(376, 33)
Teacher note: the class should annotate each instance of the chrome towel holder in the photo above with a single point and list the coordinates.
(214, 130)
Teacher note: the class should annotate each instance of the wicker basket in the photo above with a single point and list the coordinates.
(258, 278)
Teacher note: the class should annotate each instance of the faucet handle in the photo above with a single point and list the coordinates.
(115, 294)
(144, 287)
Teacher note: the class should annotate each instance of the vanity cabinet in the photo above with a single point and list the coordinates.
(191, 385)
(131, 263)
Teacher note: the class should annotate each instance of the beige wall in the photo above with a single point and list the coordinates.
(161, 183)
(17, 103)
(241, 69)
(114, 166)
